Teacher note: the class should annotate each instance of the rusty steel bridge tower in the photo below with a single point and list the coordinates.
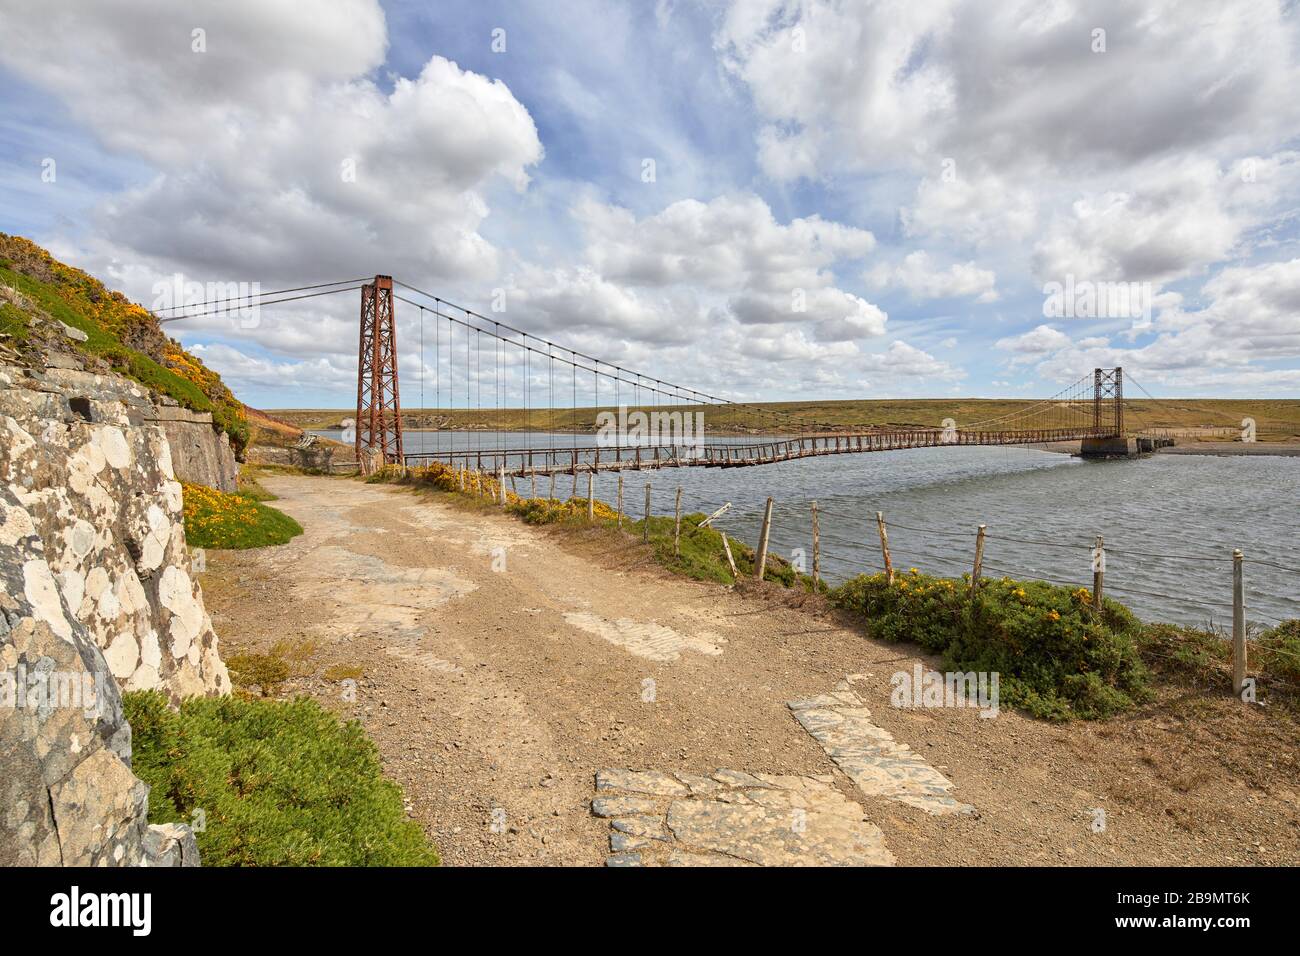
(1108, 395)
(379, 406)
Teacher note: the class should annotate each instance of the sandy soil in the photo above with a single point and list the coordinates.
(505, 665)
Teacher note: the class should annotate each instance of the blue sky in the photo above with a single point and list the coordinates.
(849, 199)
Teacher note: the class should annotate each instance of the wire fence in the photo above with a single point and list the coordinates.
(839, 554)
(826, 541)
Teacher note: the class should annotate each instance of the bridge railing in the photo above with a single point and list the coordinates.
(576, 459)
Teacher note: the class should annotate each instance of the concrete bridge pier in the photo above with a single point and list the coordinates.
(1114, 447)
(1118, 447)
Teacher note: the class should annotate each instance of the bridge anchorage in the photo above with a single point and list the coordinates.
(477, 352)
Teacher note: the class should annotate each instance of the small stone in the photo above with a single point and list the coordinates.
(75, 334)
(623, 842)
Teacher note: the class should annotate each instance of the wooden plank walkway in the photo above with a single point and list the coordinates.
(574, 460)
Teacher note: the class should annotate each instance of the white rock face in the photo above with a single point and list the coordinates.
(113, 443)
(97, 487)
(43, 594)
(67, 793)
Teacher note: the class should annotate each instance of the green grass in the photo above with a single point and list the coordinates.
(106, 345)
(122, 334)
(1202, 658)
(214, 519)
(13, 322)
(278, 783)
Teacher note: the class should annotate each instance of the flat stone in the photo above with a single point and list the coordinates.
(73, 333)
(699, 783)
(642, 826)
(742, 819)
(836, 699)
(678, 858)
(879, 765)
(737, 778)
(622, 806)
(646, 639)
(623, 842)
(623, 859)
(774, 836)
(641, 781)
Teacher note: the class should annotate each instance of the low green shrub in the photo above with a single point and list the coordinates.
(263, 671)
(1058, 658)
(215, 519)
(279, 783)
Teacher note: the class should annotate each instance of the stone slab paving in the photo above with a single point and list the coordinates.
(646, 639)
(873, 759)
(733, 818)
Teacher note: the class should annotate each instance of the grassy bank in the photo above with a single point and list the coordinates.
(215, 519)
(1058, 657)
(696, 552)
(122, 335)
(270, 783)
(1276, 419)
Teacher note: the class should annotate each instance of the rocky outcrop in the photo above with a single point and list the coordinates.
(67, 793)
(96, 481)
(200, 455)
(319, 456)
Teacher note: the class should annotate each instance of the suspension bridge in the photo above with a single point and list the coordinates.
(469, 354)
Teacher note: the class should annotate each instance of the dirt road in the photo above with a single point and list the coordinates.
(505, 668)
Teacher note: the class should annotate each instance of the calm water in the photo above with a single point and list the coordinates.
(1170, 506)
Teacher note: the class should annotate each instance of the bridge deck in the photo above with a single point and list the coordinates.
(574, 460)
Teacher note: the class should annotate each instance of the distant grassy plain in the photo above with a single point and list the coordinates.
(1276, 420)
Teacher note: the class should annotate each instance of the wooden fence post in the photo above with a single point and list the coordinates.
(760, 561)
(717, 514)
(884, 547)
(817, 567)
(619, 523)
(550, 495)
(1098, 572)
(645, 525)
(591, 496)
(533, 475)
(979, 560)
(677, 526)
(501, 483)
(1238, 624)
(735, 572)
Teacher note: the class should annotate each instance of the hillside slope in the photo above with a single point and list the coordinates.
(36, 291)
